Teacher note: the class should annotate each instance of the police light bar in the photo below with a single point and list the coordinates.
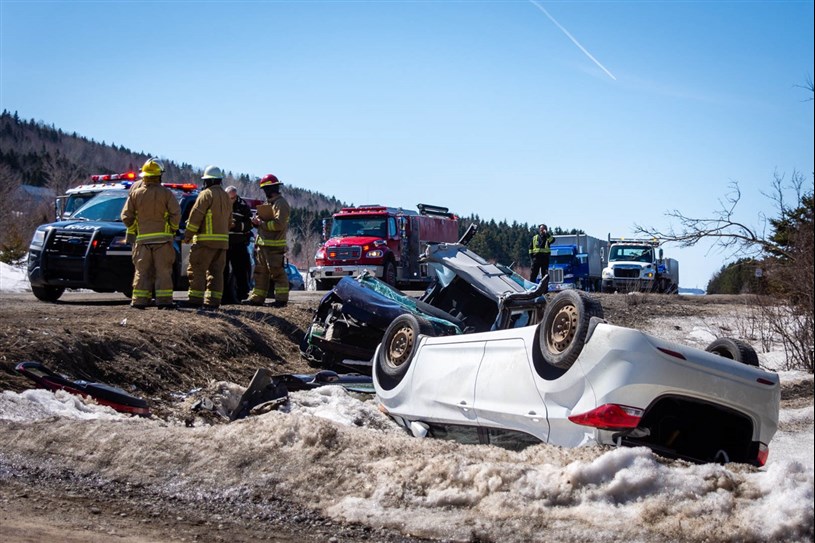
(103, 178)
(186, 187)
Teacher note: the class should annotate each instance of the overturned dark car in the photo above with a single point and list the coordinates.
(467, 295)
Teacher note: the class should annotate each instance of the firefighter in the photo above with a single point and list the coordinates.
(539, 252)
(238, 267)
(151, 214)
(270, 247)
(208, 230)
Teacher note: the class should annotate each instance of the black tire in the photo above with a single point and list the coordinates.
(399, 347)
(565, 327)
(389, 273)
(734, 349)
(47, 294)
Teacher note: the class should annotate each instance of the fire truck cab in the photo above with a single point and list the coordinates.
(385, 241)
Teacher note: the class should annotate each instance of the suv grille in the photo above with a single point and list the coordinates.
(69, 242)
(344, 253)
(555, 275)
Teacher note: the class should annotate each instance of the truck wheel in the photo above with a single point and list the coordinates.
(734, 349)
(565, 326)
(47, 294)
(398, 348)
(389, 273)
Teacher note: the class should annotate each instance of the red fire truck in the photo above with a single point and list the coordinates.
(385, 241)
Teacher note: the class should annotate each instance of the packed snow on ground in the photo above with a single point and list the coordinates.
(13, 278)
(338, 453)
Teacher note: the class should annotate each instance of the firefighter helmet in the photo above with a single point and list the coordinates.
(213, 172)
(152, 168)
(269, 180)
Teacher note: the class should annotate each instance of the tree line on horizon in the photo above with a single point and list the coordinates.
(39, 162)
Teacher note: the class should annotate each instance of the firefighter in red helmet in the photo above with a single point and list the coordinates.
(272, 223)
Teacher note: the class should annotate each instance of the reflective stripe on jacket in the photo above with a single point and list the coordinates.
(210, 218)
(272, 233)
(541, 245)
(151, 212)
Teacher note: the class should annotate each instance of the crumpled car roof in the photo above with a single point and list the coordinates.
(493, 281)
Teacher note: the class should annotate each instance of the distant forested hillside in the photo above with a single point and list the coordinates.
(40, 161)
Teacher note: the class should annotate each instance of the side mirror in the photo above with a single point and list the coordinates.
(660, 253)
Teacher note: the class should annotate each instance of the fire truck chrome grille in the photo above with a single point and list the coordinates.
(344, 253)
(556, 275)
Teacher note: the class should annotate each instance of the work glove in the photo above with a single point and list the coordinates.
(188, 236)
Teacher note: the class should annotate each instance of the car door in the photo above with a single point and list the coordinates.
(443, 379)
(506, 395)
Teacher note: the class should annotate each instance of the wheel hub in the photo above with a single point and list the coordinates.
(564, 328)
(400, 346)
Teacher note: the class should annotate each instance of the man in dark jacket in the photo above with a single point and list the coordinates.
(238, 264)
(539, 252)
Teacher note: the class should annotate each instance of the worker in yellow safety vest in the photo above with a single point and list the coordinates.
(539, 252)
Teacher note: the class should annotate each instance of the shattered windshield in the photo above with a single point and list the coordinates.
(359, 226)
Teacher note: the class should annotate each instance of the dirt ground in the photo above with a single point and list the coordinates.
(163, 356)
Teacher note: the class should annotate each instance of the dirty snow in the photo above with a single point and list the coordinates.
(13, 278)
(336, 452)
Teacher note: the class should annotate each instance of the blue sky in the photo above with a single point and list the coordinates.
(597, 116)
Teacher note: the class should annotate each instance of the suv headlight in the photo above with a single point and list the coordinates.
(608, 273)
(39, 237)
(119, 242)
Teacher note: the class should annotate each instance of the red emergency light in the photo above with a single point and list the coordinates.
(186, 187)
(103, 178)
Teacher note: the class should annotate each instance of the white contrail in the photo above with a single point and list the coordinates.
(574, 41)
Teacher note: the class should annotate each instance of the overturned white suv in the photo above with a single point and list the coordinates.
(573, 379)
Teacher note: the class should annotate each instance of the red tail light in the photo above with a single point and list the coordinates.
(763, 454)
(610, 417)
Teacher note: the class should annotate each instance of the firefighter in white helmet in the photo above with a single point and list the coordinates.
(270, 246)
(208, 230)
(151, 214)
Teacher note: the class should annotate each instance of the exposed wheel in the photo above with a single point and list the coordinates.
(565, 326)
(734, 349)
(389, 273)
(47, 294)
(398, 348)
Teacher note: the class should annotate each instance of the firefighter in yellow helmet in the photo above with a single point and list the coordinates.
(151, 214)
(208, 230)
(270, 246)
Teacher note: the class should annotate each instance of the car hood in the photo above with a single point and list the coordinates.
(89, 226)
